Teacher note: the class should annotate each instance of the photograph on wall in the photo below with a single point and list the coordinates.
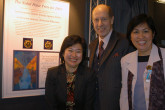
(25, 70)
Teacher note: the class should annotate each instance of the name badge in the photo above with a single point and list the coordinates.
(148, 73)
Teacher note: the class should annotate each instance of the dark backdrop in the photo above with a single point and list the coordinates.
(124, 10)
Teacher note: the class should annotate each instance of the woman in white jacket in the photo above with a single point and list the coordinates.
(143, 71)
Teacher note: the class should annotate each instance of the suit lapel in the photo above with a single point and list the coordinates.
(78, 82)
(111, 44)
(154, 56)
(93, 47)
(62, 79)
(132, 62)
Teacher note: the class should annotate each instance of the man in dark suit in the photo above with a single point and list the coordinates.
(105, 58)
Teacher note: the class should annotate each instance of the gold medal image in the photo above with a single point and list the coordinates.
(27, 43)
(48, 44)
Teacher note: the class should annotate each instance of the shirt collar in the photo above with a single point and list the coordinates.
(106, 39)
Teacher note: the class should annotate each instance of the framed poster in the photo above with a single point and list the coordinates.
(25, 71)
(33, 34)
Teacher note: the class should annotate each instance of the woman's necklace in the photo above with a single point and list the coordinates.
(70, 77)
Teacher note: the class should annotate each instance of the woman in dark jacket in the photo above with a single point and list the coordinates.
(71, 85)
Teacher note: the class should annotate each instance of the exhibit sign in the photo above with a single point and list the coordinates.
(33, 34)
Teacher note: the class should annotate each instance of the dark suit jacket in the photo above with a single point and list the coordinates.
(109, 74)
(56, 88)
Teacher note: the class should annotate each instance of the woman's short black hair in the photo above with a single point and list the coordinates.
(140, 19)
(71, 40)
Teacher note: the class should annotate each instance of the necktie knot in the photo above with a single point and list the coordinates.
(101, 44)
(101, 49)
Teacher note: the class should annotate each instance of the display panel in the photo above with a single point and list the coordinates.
(36, 28)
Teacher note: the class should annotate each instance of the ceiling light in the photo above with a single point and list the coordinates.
(161, 1)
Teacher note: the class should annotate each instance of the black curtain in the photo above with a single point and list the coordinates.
(124, 10)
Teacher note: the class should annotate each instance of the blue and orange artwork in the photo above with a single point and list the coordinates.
(25, 70)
